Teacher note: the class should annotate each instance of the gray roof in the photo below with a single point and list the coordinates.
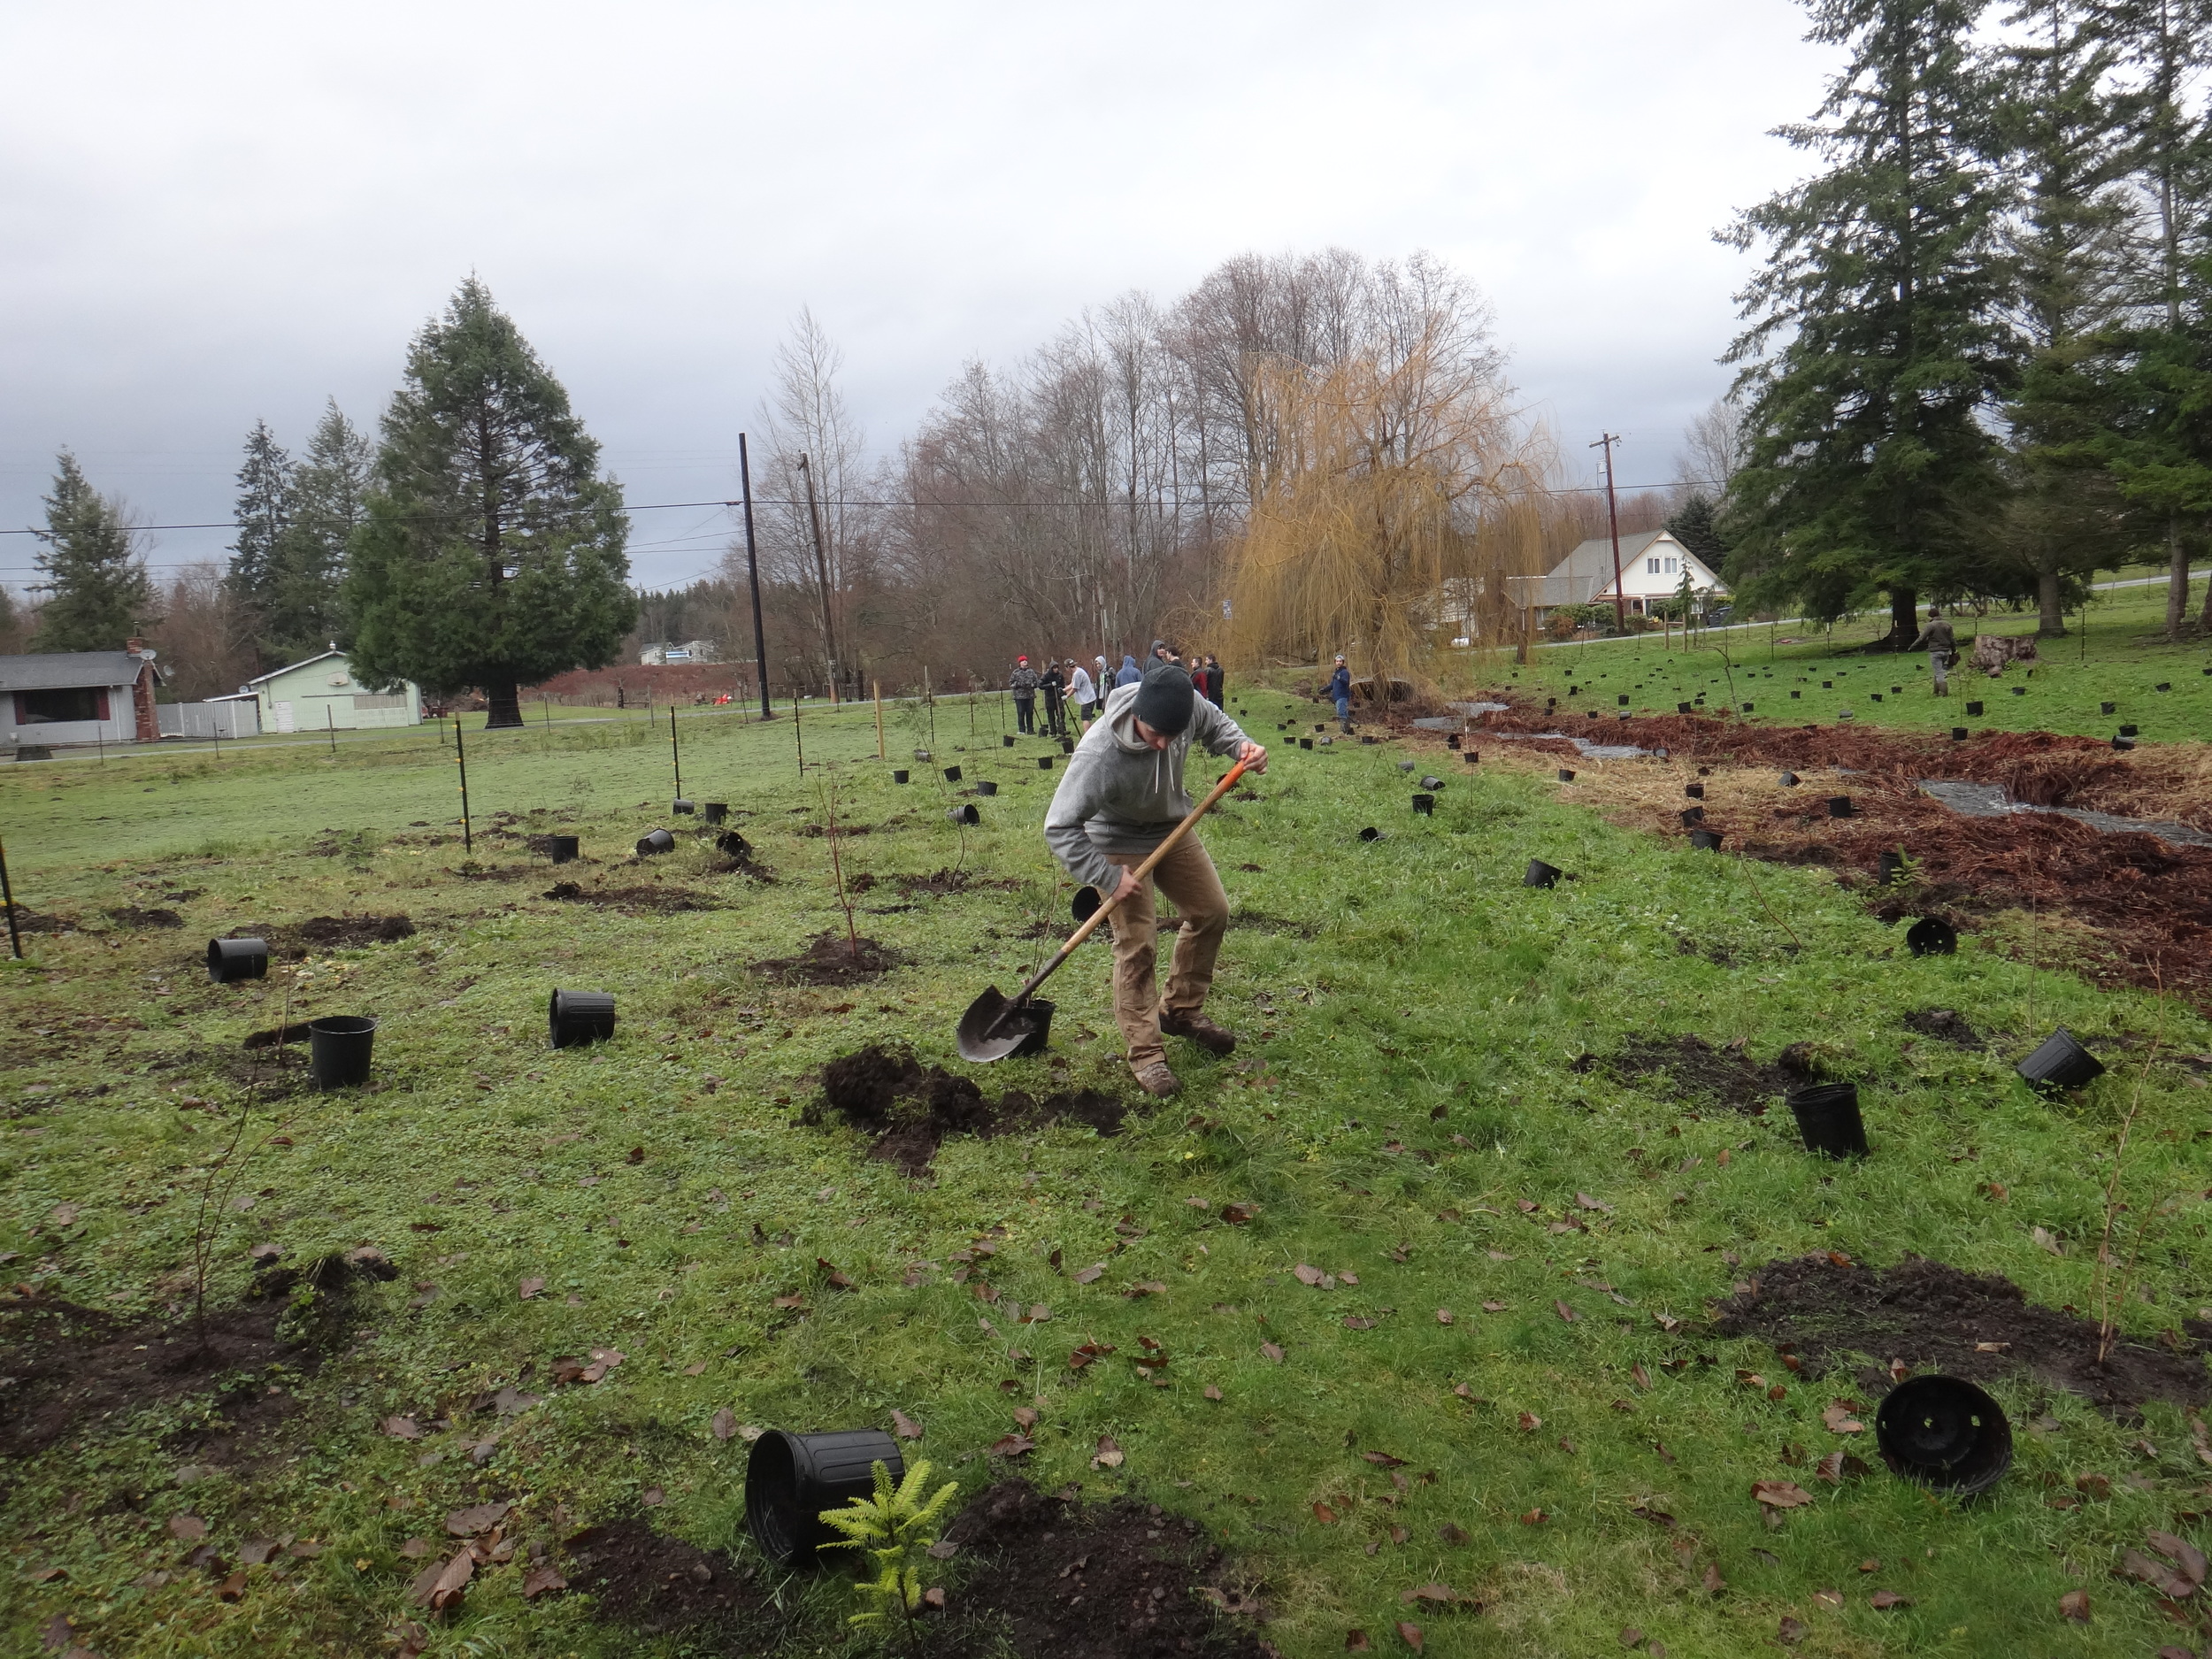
(53, 671)
(1587, 571)
(262, 679)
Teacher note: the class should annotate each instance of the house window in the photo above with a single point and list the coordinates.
(1651, 566)
(1671, 567)
(60, 704)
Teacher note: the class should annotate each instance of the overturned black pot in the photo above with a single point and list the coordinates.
(1974, 710)
(2131, 730)
(2060, 1063)
(2121, 745)
(791, 1479)
(952, 774)
(1365, 739)
(1566, 774)
(1684, 708)
(1690, 816)
(680, 805)
(733, 845)
(1706, 840)
(1931, 936)
(1426, 805)
(1945, 1433)
(338, 1049)
(1305, 742)
(899, 774)
(1828, 1119)
(653, 842)
(985, 787)
(966, 814)
(1840, 806)
(2019, 691)
(232, 959)
(715, 811)
(1405, 765)
(1452, 742)
(1542, 874)
(1432, 784)
(1696, 791)
(576, 1017)
(1370, 834)
(1470, 758)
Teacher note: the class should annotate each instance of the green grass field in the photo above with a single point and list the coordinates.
(1406, 1111)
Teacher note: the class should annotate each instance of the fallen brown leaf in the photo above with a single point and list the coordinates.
(906, 1428)
(187, 1528)
(1273, 1352)
(1443, 1315)
(530, 1287)
(1534, 1518)
(1323, 1514)
(542, 1580)
(402, 1428)
(2192, 1559)
(1409, 1634)
(1565, 1312)
(1886, 1599)
(439, 1588)
(1211, 1391)
(1714, 1583)
(1355, 1641)
(1780, 1494)
(1792, 1632)
(1109, 1454)
(1021, 1446)
(1090, 1274)
(1837, 1413)
(1530, 1423)
(1384, 1460)
(479, 1517)
(2075, 1605)
(1493, 1307)
(725, 1423)
(1025, 1415)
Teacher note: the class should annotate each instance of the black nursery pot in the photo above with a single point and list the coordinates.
(1432, 784)
(986, 788)
(1974, 708)
(1370, 834)
(1944, 1432)
(2131, 730)
(1044, 763)
(952, 774)
(1693, 815)
(1470, 758)
(1828, 1118)
(1305, 742)
(1542, 874)
(733, 845)
(1452, 742)
(2019, 691)
(1006, 739)
(1682, 708)
(791, 1479)
(576, 1017)
(680, 805)
(1696, 791)
(900, 775)
(1365, 739)
(232, 959)
(715, 811)
(1425, 804)
(1840, 806)
(1931, 936)
(658, 841)
(966, 814)
(2164, 685)
(1566, 774)
(563, 850)
(2060, 1063)
(1705, 841)
(2123, 744)
(1893, 867)
(1958, 734)
(2108, 708)
(338, 1049)
(1067, 746)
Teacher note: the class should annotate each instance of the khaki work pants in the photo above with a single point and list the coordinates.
(1186, 877)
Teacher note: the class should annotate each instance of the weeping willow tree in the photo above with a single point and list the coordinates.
(1406, 499)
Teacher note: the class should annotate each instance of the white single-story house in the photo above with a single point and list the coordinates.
(667, 651)
(50, 699)
(321, 694)
(1653, 565)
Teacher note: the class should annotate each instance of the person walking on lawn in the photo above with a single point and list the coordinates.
(1053, 685)
(1941, 646)
(1122, 793)
(1215, 679)
(1080, 692)
(1023, 684)
(1339, 692)
(1130, 673)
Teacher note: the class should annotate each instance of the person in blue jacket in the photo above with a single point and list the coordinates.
(1130, 673)
(1339, 692)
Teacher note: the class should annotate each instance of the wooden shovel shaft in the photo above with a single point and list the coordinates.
(1107, 904)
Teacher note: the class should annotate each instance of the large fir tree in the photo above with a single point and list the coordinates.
(491, 552)
(1876, 347)
(262, 513)
(97, 592)
(304, 612)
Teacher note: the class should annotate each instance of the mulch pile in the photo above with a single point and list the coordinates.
(830, 959)
(1060, 1579)
(656, 1584)
(1979, 1326)
(910, 1108)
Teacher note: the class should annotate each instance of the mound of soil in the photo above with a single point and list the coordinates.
(1945, 1026)
(28, 921)
(828, 959)
(1935, 1317)
(944, 881)
(910, 1108)
(655, 1584)
(1691, 1068)
(1059, 1579)
(637, 898)
(346, 932)
(131, 915)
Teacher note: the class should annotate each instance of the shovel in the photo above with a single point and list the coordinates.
(996, 1025)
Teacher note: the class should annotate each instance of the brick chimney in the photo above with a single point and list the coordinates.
(134, 646)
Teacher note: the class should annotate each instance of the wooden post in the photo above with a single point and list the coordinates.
(461, 755)
(7, 897)
(798, 736)
(675, 756)
(330, 726)
(878, 688)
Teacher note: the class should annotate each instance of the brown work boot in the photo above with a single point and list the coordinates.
(1154, 1078)
(1199, 1030)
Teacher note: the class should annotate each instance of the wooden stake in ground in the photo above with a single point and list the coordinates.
(675, 756)
(7, 897)
(798, 736)
(330, 724)
(461, 755)
(879, 687)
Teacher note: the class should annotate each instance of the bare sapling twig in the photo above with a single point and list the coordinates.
(2110, 1296)
(225, 1168)
(1744, 863)
(837, 868)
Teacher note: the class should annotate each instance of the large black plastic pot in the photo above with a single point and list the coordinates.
(1840, 806)
(952, 774)
(1370, 834)
(1931, 936)
(791, 1479)
(1974, 710)
(1432, 784)
(563, 850)
(2060, 1063)
(1958, 734)
(1696, 791)
(2131, 730)
(1305, 742)
(1542, 874)
(576, 1017)
(965, 814)
(715, 811)
(1033, 1018)
(1683, 708)
(1006, 739)
(1706, 840)
(1067, 746)
(1944, 1432)
(1828, 1117)
(2121, 745)
(231, 959)
(1425, 804)
(1044, 763)
(985, 787)
(679, 805)
(338, 1049)
(1566, 774)
(658, 841)
(899, 774)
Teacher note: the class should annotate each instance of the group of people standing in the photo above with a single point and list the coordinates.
(1068, 684)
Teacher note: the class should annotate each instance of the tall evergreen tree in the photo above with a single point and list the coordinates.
(97, 592)
(1876, 347)
(263, 514)
(304, 613)
(492, 553)
(1696, 523)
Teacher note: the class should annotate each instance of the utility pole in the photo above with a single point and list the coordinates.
(1613, 516)
(821, 566)
(752, 571)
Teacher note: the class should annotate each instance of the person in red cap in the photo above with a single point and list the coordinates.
(1023, 684)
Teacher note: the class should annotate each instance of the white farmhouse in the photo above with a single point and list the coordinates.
(1653, 565)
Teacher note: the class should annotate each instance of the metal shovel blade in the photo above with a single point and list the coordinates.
(977, 1037)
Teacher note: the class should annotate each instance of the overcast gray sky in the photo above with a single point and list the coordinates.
(218, 211)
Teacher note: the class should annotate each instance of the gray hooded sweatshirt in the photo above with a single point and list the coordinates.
(1121, 796)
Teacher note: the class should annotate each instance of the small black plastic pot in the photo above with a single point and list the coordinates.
(1006, 739)
(1958, 734)
(1873, 696)
(1896, 691)
(1682, 708)
(1044, 763)
(1944, 1432)
(2164, 685)
(1425, 804)
(338, 1049)
(681, 806)
(966, 814)
(1840, 806)
(1566, 774)
(1405, 765)
(1788, 781)
(1370, 834)
(1893, 867)
(1828, 1119)
(232, 959)
(2123, 744)
(1452, 742)
(2131, 730)
(1542, 874)
(1432, 784)
(2060, 1063)
(791, 1479)
(900, 775)
(658, 841)
(730, 844)
(1974, 709)
(715, 811)
(1696, 791)
(563, 850)
(1931, 936)
(1305, 742)
(985, 787)
(1365, 739)
(952, 774)
(2108, 708)
(576, 1017)
(1067, 746)
(2019, 691)
(1705, 841)
(1470, 758)
(1692, 816)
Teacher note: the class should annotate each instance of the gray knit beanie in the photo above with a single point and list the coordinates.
(1164, 699)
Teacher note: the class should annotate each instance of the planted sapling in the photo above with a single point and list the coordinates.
(897, 1528)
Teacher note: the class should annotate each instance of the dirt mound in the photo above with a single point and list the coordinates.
(28, 921)
(1691, 1068)
(637, 898)
(346, 932)
(1935, 1317)
(941, 882)
(829, 959)
(910, 1108)
(1945, 1026)
(655, 1584)
(131, 915)
(1118, 1580)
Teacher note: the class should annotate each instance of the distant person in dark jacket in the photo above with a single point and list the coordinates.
(1215, 679)
(1023, 683)
(1941, 645)
(1339, 692)
(1052, 686)
(1130, 673)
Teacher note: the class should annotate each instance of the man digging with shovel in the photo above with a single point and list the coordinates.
(1120, 796)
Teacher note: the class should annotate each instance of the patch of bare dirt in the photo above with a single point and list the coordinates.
(637, 898)
(1935, 1317)
(912, 1108)
(29, 921)
(831, 959)
(1057, 1579)
(1945, 1025)
(1691, 1068)
(658, 1585)
(132, 915)
(944, 881)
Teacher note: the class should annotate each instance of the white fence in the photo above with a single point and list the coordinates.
(233, 717)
